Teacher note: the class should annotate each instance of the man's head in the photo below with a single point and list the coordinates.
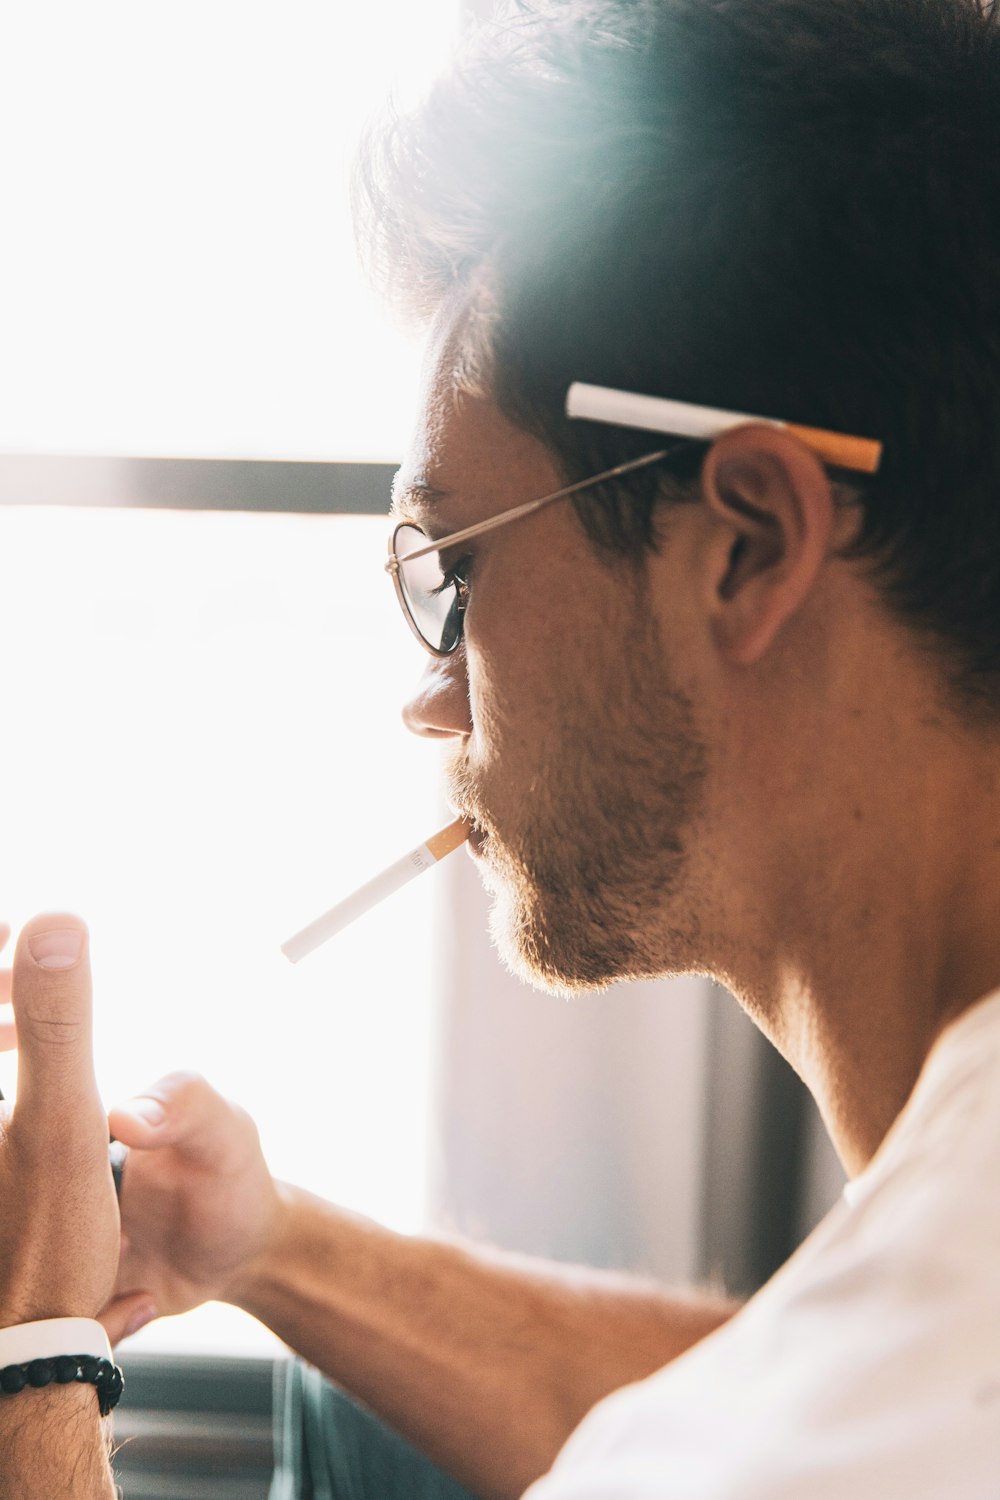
(780, 206)
(575, 751)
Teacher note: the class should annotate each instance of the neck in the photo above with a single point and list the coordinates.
(884, 924)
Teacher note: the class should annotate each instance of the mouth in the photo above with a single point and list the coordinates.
(476, 841)
(478, 838)
(462, 794)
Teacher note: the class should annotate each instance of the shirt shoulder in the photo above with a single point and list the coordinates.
(869, 1365)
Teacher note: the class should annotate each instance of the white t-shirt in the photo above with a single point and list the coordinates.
(868, 1368)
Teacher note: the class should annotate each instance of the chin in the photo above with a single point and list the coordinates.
(581, 936)
(564, 953)
(522, 955)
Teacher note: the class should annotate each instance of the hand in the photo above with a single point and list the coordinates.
(198, 1202)
(58, 1215)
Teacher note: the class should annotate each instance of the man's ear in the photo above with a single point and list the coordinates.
(776, 509)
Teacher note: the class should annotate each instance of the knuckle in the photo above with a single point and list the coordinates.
(49, 1030)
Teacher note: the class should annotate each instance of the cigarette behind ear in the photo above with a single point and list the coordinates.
(599, 403)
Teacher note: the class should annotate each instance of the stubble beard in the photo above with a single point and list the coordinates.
(589, 871)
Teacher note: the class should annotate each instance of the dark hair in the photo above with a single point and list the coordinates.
(788, 207)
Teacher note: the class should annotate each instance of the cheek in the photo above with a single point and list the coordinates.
(529, 705)
(502, 657)
(491, 698)
(534, 635)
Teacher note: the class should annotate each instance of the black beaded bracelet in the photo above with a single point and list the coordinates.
(63, 1370)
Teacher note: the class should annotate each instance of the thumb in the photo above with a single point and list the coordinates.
(179, 1110)
(51, 996)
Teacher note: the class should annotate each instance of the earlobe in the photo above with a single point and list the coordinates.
(773, 508)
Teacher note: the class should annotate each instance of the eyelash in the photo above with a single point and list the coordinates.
(457, 576)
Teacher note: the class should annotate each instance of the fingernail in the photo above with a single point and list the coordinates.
(150, 1110)
(59, 949)
(139, 1319)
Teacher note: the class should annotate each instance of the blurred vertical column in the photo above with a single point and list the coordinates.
(770, 1170)
(567, 1129)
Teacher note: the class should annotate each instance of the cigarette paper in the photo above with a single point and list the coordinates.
(598, 403)
(373, 891)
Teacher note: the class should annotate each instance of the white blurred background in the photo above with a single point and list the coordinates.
(201, 737)
(177, 273)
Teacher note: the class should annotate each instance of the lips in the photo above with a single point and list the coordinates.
(478, 836)
(463, 795)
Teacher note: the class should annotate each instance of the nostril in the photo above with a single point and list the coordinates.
(439, 709)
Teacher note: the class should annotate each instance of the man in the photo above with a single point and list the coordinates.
(737, 713)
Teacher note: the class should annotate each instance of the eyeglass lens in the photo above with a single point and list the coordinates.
(432, 602)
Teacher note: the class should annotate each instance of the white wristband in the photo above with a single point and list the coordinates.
(52, 1337)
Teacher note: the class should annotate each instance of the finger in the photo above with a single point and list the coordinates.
(126, 1315)
(4, 933)
(4, 986)
(176, 1111)
(52, 1008)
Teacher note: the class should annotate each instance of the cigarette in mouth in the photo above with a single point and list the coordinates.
(373, 891)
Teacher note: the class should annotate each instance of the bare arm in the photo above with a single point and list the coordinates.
(53, 1444)
(485, 1361)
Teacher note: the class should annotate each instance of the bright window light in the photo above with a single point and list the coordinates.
(202, 746)
(202, 751)
(177, 272)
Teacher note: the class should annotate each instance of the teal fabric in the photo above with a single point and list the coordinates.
(329, 1448)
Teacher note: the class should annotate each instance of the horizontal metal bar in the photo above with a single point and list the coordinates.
(188, 1427)
(196, 483)
(157, 1485)
(181, 1437)
(198, 1383)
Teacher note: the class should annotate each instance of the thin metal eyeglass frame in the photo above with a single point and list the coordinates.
(394, 563)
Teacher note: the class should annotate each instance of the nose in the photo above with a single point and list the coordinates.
(439, 709)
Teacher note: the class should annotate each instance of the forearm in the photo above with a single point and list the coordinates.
(54, 1444)
(485, 1361)
(59, 1227)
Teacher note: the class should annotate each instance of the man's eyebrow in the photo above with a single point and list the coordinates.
(414, 496)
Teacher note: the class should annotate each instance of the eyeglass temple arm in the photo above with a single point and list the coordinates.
(525, 510)
(598, 403)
